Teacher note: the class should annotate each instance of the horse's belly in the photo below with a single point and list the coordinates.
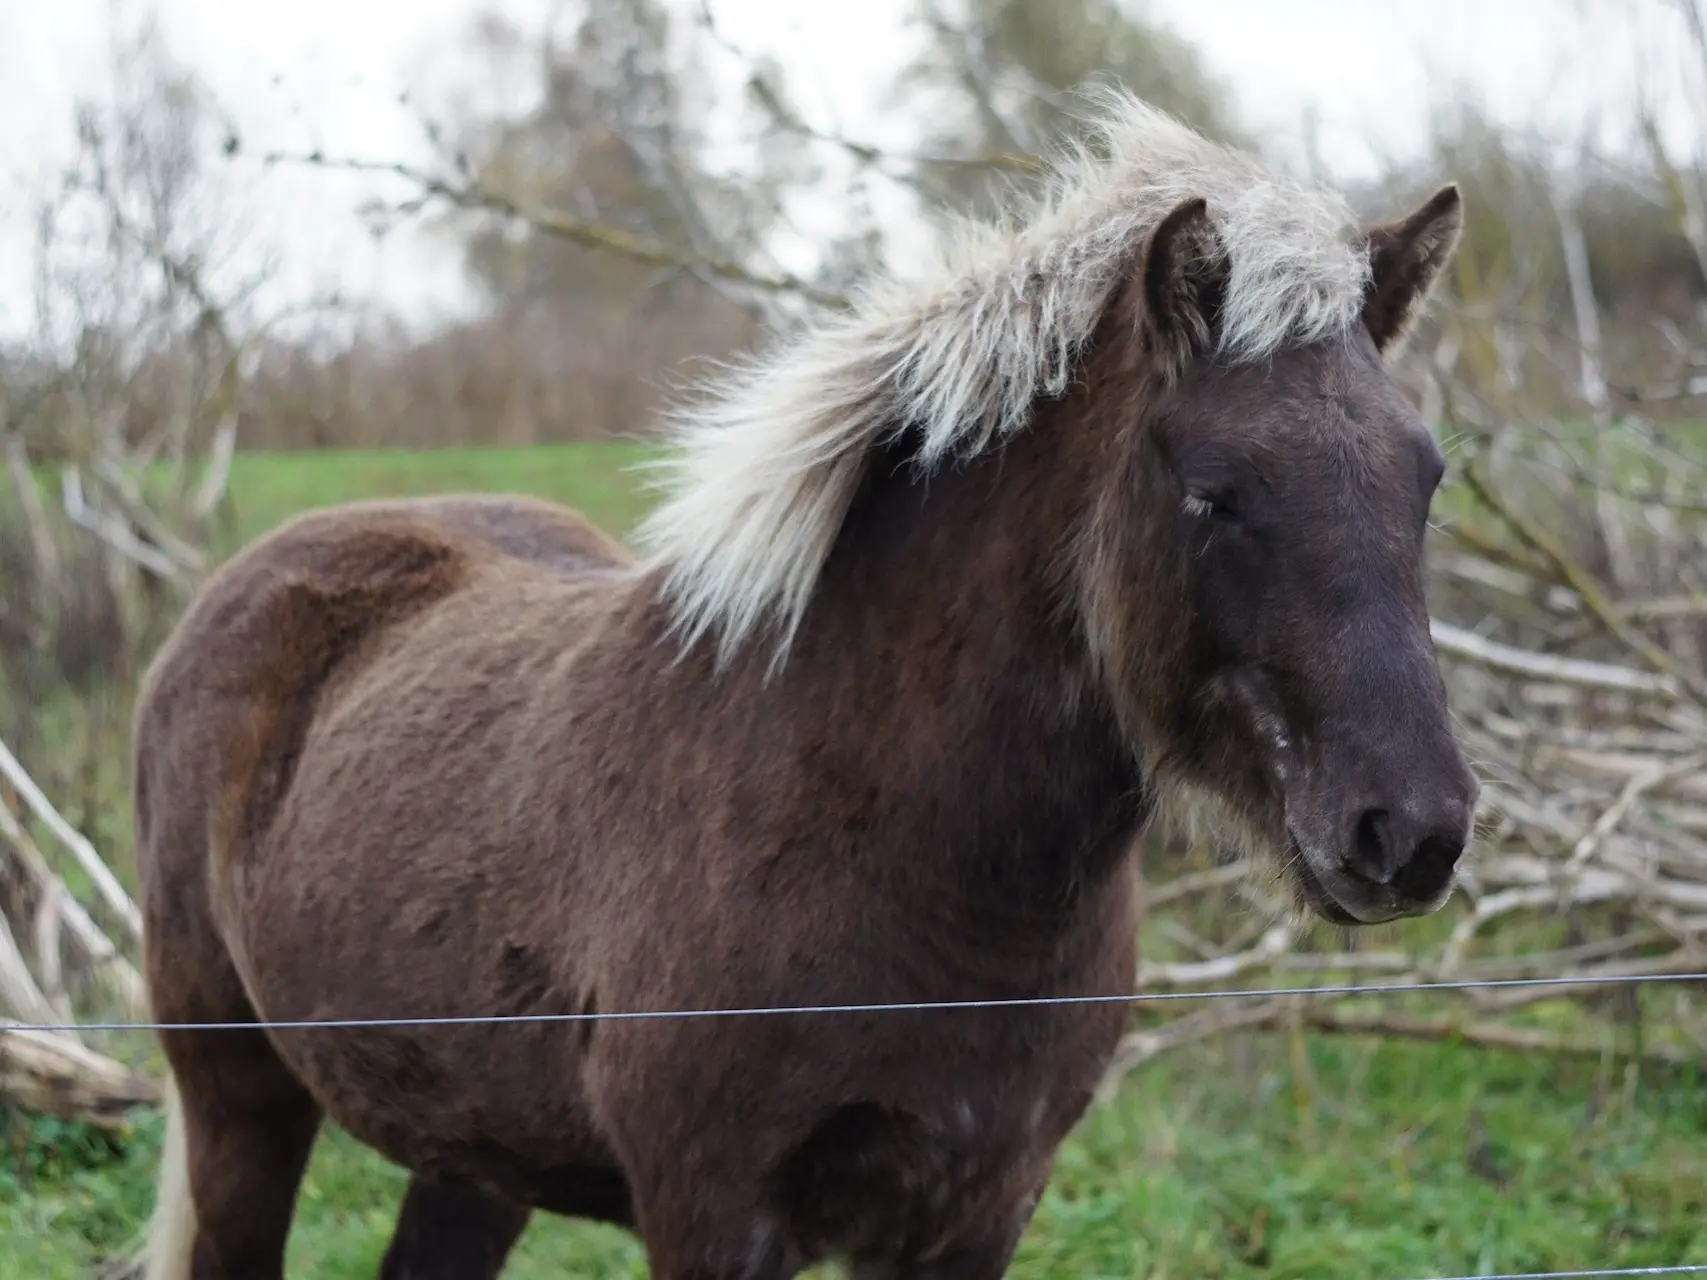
(492, 1105)
(478, 1105)
(495, 1103)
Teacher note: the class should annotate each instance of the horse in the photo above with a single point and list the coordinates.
(1111, 515)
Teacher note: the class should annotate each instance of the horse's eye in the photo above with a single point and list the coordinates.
(1206, 504)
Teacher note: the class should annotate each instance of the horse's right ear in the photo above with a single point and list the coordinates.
(1185, 283)
(1406, 258)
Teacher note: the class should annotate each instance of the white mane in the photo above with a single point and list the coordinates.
(766, 466)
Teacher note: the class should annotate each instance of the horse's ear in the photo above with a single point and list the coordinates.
(1406, 258)
(1185, 283)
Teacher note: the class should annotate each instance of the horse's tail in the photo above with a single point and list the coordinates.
(169, 1249)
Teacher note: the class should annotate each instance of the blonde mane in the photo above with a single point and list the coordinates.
(765, 466)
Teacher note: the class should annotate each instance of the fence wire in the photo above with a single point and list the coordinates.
(913, 1006)
(1688, 1269)
(929, 1006)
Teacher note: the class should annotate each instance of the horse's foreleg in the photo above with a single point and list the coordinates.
(757, 1253)
(985, 1256)
(451, 1233)
(986, 1260)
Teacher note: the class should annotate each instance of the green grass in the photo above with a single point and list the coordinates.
(596, 479)
(1344, 1159)
(1261, 1157)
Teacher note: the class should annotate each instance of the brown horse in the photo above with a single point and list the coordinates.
(1117, 513)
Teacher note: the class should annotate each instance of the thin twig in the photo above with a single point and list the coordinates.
(1582, 582)
(588, 235)
(1506, 658)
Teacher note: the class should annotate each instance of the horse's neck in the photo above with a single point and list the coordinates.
(938, 655)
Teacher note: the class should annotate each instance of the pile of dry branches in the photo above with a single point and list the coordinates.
(53, 947)
(62, 945)
(118, 424)
(107, 541)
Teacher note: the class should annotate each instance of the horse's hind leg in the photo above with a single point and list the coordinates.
(451, 1233)
(240, 1129)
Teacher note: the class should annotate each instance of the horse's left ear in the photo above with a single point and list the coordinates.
(1185, 274)
(1406, 258)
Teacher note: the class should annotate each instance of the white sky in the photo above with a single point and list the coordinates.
(326, 73)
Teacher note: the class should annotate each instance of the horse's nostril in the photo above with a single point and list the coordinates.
(1372, 853)
(1390, 851)
(1429, 868)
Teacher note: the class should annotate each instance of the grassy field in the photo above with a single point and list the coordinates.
(600, 480)
(1262, 1157)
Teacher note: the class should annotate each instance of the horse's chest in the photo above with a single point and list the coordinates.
(875, 1182)
(959, 1155)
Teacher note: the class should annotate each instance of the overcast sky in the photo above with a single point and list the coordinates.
(326, 73)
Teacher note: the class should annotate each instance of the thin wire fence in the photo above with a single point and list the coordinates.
(916, 1006)
(930, 1006)
(1697, 1268)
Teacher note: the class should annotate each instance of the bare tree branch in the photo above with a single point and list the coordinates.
(588, 235)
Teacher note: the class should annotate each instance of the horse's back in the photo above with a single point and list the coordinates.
(528, 529)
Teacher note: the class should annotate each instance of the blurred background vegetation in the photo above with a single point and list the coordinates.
(160, 415)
